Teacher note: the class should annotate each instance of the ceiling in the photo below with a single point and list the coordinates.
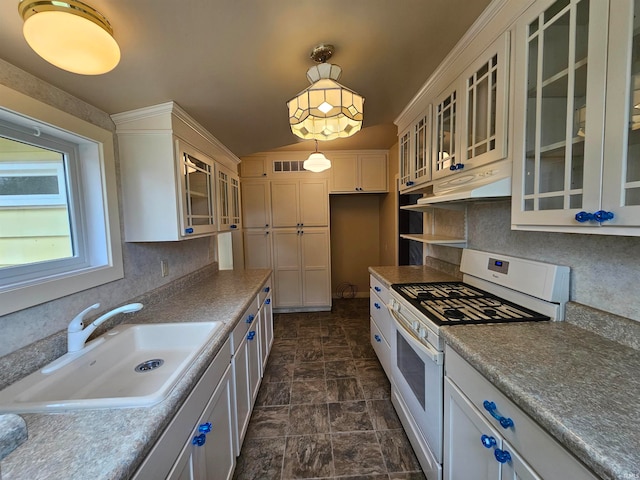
(233, 64)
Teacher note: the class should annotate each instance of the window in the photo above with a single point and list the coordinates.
(59, 227)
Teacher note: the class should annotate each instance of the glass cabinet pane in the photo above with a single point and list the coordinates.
(556, 106)
(198, 192)
(445, 129)
(421, 160)
(405, 160)
(482, 109)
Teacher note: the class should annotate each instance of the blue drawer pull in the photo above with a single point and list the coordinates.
(377, 337)
(377, 305)
(377, 289)
(490, 407)
(267, 301)
(266, 289)
(199, 440)
(488, 441)
(250, 318)
(188, 230)
(502, 456)
(251, 335)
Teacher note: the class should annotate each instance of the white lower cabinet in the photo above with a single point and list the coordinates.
(247, 368)
(487, 437)
(210, 404)
(266, 323)
(210, 454)
(381, 323)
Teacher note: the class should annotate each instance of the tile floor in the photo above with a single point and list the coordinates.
(323, 409)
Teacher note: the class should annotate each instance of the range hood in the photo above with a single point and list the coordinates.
(491, 181)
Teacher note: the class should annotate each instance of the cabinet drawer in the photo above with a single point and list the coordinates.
(380, 314)
(380, 288)
(248, 317)
(545, 455)
(381, 347)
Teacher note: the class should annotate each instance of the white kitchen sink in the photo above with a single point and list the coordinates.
(129, 366)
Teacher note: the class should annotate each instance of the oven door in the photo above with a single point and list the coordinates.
(417, 373)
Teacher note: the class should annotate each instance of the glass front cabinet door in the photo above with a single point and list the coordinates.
(445, 131)
(415, 153)
(485, 90)
(560, 80)
(621, 187)
(196, 174)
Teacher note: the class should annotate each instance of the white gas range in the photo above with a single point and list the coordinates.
(495, 289)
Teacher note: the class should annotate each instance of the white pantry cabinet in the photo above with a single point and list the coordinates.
(208, 411)
(487, 437)
(302, 276)
(576, 123)
(358, 173)
(168, 174)
(299, 203)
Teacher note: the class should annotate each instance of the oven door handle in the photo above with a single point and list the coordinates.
(434, 355)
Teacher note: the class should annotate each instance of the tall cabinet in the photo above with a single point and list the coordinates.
(286, 228)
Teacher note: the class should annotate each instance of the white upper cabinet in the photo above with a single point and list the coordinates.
(358, 173)
(415, 153)
(577, 168)
(228, 199)
(168, 174)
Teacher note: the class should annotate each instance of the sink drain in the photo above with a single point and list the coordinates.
(149, 365)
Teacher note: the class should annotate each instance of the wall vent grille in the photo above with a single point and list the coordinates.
(288, 166)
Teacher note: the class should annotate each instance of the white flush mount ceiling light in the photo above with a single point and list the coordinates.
(70, 35)
(326, 110)
(317, 162)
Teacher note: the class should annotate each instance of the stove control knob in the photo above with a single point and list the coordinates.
(423, 333)
(416, 325)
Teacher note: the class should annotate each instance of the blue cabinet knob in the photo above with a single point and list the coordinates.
(250, 318)
(408, 184)
(602, 216)
(188, 230)
(502, 456)
(266, 289)
(251, 335)
(199, 440)
(377, 337)
(205, 428)
(377, 289)
(233, 226)
(377, 305)
(488, 441)
(267, 301)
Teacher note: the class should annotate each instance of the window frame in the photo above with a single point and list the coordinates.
(93, 204)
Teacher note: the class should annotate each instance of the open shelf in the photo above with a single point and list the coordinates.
(435, 239)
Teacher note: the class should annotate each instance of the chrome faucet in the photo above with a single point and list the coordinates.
(77, 334)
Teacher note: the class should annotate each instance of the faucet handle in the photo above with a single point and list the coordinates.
(77, 324)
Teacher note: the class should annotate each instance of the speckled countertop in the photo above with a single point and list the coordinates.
(112, 443)
(582, 388)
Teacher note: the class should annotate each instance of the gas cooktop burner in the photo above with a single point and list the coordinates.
(456, 303)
